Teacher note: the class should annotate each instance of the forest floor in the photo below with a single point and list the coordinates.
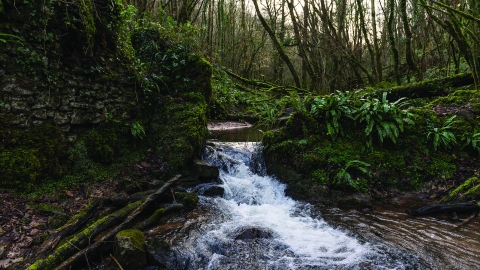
(24, 222)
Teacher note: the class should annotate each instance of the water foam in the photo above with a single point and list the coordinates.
(254, 200)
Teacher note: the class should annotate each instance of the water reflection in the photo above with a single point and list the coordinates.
(242, 134)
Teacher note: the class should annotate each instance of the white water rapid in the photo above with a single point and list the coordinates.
(255, 226)
(255, 200)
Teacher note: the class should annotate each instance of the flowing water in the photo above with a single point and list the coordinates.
(255, 226)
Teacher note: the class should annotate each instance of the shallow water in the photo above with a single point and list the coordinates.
(443, 242)
(240, 134)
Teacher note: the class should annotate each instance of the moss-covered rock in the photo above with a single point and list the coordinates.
(188, 199)
(26, 156)
(130, 249)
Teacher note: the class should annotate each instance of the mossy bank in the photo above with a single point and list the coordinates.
(341, 144)
(80, 95)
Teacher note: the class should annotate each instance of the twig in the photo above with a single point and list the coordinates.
(115, 260)
(465, 221)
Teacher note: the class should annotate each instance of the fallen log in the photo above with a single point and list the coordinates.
(71, 250)
(83, 238)
(445, 208)
(72, 226)
(430, 88)
(108, 237)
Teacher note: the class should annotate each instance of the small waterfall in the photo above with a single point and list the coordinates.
(255, 226)
(254, 199)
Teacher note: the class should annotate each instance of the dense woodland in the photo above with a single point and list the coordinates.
(323, 46)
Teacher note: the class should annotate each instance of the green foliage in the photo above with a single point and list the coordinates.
(332, 109)
(137, 130)
(343, 177)
(473, 140)
(268, 118)
(4, 38)
(442, 137)
(385, 117)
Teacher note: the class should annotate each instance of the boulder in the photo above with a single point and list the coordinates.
(130, 249)
(205, 171)
(212, 191)
(251, 233)
(160, 254)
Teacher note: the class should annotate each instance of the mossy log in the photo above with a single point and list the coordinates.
(82, 239)
(445, 208)
(72, 226)
(466, 191)
(76, 248)
(431, 88)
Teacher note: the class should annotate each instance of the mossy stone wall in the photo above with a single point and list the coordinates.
(72, 100)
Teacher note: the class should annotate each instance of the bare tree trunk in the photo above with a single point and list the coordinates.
(408, 37)
(301, 47)
(378, 52)
(367, 40)
(278, 46)
(393, 47)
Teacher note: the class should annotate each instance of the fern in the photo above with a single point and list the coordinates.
(137, 130)
(332, 109)
(384, 117)
(442, 136)
(343, 176)
(12, 38)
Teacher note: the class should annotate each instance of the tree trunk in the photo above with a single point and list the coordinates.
(393, 47)
(278, 46)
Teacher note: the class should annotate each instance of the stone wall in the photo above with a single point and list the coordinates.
(74, 103)
(44, 79)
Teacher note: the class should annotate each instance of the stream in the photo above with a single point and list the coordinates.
(255, 226)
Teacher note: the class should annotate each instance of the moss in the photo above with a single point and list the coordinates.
(458, 98)
(79, 215)
(19, 167)
(188, 199)
(27, 156)
(469, 189)
(154, 218)
(80, 240)
(178, 130)
(136, 236)
(471, 194)
(51, 209)
(101, 144)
